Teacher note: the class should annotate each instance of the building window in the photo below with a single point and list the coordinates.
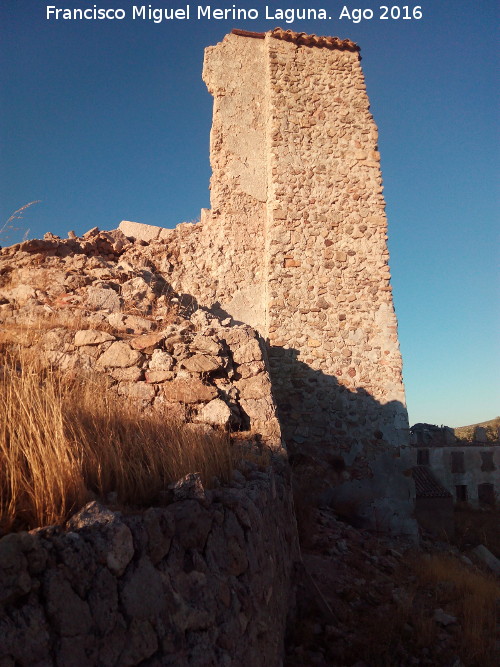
(461, 491)
(487, 464)
(486, 494)
(423, 457)
(457, 462)
(420, 437)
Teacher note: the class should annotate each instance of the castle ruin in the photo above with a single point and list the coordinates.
(295, 245)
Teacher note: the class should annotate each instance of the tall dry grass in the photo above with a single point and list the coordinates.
(64, 441)
(470, 595)
(426, 583)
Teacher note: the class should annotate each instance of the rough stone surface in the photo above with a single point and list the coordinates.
(147, 341)
(201, 363)
(161, 361)
(119, 355)
(294, 245)
(139, 231)
(14, 578)
(109, 536)
(216, 412)
(188, 391)
(141, 391)
(100, 298)
(193, 583)
(158, 359)
(91, 337)
(130, 323)
(360, 593)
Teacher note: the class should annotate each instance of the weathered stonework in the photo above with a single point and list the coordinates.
(295, 244)
(204, 581)
(196, 369)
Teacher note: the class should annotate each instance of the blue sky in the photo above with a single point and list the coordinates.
(110, 120)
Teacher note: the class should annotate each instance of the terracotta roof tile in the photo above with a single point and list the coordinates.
(248, 33)
(302, 38)
(426, 485)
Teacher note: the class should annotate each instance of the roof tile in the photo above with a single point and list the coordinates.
(426, 485)
(302, 38)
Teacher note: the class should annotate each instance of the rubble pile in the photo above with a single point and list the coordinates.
(361, 601)
(91, 309)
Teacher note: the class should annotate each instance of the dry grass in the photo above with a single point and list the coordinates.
(477, 526)
(31, 333)
(61, 312)
(470, 595)
(426, 583)
(72, 319)
(63, 442)
(10, 227)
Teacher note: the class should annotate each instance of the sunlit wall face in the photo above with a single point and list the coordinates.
(109, 119)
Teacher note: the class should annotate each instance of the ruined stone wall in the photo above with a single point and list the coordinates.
(295, 245)
(332, 331)
(221, 260)
(203, 581)
(94, 305)
(329, 293)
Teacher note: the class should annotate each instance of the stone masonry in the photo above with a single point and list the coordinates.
(206, 581)
(295, 245)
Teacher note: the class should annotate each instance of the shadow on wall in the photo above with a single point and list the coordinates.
(347, 449)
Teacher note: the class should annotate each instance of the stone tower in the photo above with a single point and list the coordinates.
(295, 245)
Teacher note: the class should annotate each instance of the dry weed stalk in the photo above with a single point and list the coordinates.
(9, 227)
(64, 441)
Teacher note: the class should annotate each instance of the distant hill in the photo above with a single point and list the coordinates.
(491, 427)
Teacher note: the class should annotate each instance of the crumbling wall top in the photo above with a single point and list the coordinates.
(302, 38)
